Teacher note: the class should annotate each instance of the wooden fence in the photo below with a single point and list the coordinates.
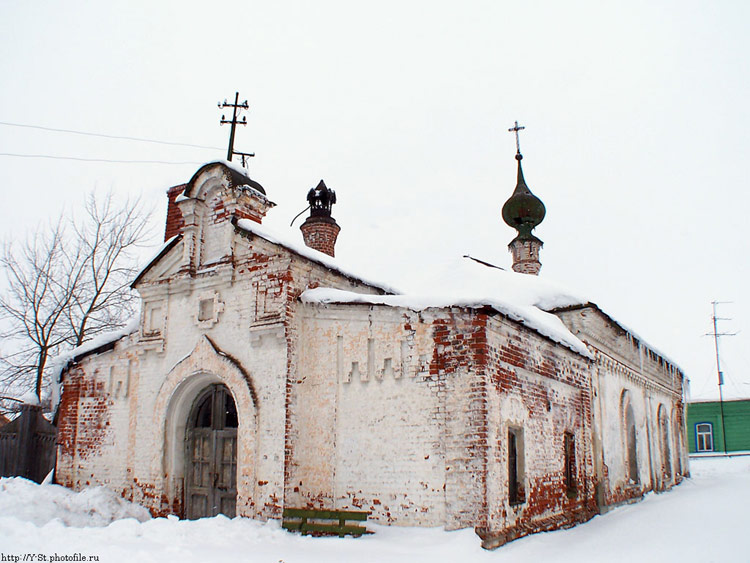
(27, 445)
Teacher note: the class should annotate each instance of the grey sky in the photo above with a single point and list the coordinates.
(636, 138)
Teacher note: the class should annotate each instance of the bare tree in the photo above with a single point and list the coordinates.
(64, 285)
(108, 238)
(42, 275)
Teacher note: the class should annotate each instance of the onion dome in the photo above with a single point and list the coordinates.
(523, 211)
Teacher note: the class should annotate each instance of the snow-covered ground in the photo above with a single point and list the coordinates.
(705, 519)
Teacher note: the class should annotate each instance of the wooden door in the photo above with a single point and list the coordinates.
(211, 455)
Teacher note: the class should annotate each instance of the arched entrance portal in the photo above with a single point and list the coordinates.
(211, 455)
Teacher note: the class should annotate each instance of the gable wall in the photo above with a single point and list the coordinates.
(250, 292)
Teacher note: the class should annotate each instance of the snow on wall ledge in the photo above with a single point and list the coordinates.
(534, 318)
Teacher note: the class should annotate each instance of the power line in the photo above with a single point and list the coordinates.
(88, 134)
(97, 159)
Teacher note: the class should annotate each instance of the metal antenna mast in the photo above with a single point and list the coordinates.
(236, 109)
(720, 374)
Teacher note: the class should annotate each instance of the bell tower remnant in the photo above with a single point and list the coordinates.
(524, 211)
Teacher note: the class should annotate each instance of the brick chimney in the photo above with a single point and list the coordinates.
(175, 222)
(320, 230)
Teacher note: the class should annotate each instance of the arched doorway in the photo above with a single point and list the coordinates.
(211, 455)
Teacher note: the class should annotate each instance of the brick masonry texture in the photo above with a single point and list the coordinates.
(526, 256)
(174, 217)
(350, 406)
(320, 235)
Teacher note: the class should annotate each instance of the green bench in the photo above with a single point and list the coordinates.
(324, 522)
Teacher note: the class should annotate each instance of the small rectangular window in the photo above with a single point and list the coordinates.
(570, 464)
(515, 466)
(704, 437)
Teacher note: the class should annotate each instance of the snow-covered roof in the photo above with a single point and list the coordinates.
(105, 338)
(468, 276)
(286, 240)
(463, 282)
(466, 282)
(99, 343)
(477, 277)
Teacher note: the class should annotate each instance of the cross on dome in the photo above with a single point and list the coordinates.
(516, 129)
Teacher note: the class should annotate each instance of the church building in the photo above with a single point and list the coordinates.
(263, 374)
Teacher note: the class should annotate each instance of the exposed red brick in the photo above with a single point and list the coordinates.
(320, 235)
(175, 222)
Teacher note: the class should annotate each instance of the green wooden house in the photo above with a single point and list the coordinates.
(706, 431)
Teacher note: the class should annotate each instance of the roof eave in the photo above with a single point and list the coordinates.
(167, 247)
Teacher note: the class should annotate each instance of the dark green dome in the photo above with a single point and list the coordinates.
(523, 211)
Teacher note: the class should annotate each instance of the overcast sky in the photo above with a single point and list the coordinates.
(636, 118)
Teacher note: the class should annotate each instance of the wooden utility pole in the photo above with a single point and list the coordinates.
(720, 374)
(236, 109)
